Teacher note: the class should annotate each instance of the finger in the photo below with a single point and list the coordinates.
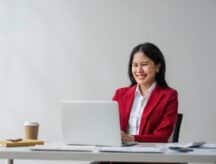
(122, 132)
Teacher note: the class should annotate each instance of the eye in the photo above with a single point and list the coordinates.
(144, 64)
(134, 65)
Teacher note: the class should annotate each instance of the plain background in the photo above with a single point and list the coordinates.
(79, 49)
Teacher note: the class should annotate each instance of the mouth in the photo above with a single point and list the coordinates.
(140, 76)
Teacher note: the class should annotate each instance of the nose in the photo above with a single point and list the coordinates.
(139, 68)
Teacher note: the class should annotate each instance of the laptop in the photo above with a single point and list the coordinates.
(90, 123)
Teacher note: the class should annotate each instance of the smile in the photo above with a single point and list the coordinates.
(141, 76)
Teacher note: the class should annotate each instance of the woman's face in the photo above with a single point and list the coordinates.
(144, 70)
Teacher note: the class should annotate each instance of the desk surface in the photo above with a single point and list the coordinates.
(198, 155)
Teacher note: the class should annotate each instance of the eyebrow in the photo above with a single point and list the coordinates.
(142, 62)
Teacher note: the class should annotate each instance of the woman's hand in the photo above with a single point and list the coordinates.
(126, 138)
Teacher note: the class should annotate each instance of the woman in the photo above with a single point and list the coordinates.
(148, 107)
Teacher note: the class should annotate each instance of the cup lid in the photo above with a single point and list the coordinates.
(30, 123)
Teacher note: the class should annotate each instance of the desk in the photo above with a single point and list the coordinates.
(199, 155)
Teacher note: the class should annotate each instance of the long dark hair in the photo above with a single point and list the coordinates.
(155, 54)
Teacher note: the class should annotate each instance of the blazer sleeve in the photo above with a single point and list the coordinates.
(115, 96)
(165, 127)
(118, 94)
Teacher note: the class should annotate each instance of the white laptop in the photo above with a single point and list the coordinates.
(90, 123)
(92, 126)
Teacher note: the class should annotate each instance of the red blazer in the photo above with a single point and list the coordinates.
(158, 118)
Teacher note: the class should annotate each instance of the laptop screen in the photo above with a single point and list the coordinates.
(90, 123)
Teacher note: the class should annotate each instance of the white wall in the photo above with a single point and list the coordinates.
(79, 49)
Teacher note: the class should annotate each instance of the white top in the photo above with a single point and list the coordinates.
(138, 107)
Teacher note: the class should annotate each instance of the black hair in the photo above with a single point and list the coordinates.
(155, 54)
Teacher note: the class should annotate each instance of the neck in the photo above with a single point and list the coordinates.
(144, 88)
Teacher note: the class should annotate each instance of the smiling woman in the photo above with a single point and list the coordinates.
(144, 71)
(148, 107)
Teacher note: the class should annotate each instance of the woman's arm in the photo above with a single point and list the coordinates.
(167, 124)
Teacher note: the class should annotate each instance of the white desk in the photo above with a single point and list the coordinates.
(200, 156)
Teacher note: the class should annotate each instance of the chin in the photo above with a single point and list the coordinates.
(143, 82)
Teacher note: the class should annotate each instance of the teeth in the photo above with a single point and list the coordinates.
(141, 77)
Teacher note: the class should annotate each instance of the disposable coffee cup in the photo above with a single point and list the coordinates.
(31, 130)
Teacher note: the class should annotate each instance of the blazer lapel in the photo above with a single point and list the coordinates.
(153, 101)
(129, 103)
